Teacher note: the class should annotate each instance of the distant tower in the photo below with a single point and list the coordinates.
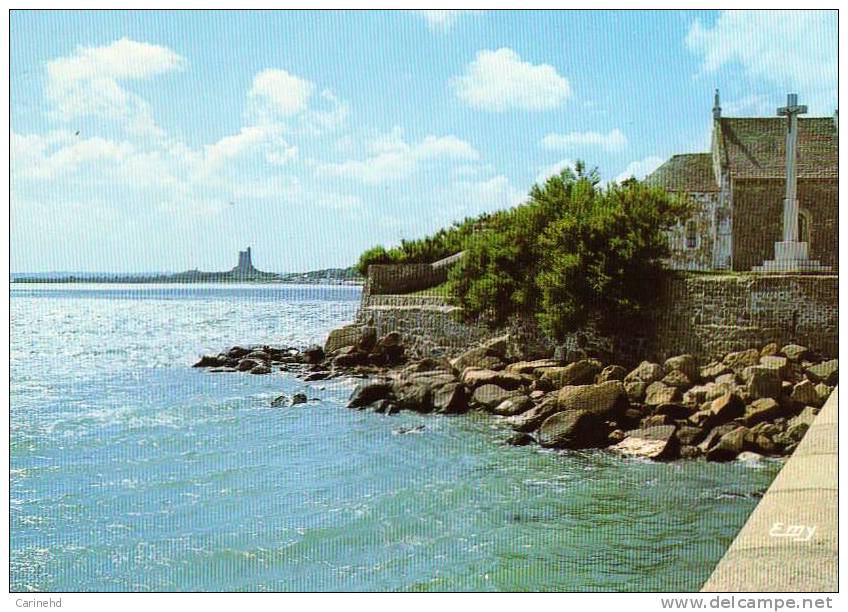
(716, 107)
(245, 265)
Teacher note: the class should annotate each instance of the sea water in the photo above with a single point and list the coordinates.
(133, 471)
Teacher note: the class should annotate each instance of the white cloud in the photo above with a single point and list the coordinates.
(443, 20)
(394, 159)
(59, 154)
(615, 140)
(499, 81)
(793, 50)
(549, 171)
(640, 168)
(280, 94)
(88, 83)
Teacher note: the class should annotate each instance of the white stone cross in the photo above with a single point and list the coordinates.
(790, 204)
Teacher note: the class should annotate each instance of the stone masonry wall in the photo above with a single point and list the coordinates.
(403, 278)
(704, 314)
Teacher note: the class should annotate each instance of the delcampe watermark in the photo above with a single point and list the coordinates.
(797, 533)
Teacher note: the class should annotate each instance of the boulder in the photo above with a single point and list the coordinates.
(687, 364)
(246, 364)
(658, 393)
(690, 452)
(673, 411)
(388, 350)
(615, 436)
(760, 410)
(298, 398)
(514, 405)
(805, 393)
(413, 395)
(727, 379)
(721, 410)
(429, 364)
(367, 338)
(698, 394)
(826, 372)
(761, 382)
(759, 443)
(611, 372)
(651, 443)
(450, 398)
(823, 392)
(533, 418)
(313, 354)
(490, 396)
(677, 379)
(646, 372)
(581, 372)
(476, 377)
(770, 349)
(319, 375)
(237, 352)
(715, 435)
(606, 399)
(211, 361)
(529, 367)
(635, 390)
(369, 392)
(777, 363)
(573, 429)
(654, 420)
(795, 352)
(260, 369)
(349, 356)
(749, 457)
(490, 354)
(729, 446)
(520, 439)
(714, 369)
(740, 360)
(282, 400)
(689, 436)
(342, 337)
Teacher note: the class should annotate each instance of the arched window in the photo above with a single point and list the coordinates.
(803, 226)
(691, 234)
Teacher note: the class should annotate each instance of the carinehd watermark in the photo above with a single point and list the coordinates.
(48, 602)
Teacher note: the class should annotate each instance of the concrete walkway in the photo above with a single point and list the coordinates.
(768, 554)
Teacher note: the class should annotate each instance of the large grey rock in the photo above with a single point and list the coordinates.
(795, 352)
(635, 390)
(342, 337)
(606, 399)
(826, 372)
(721, 410)
(529, 367)
(650, 443)
(805, 393)
(476, 377)
(611, 372)
(761, 382)
(659, 393)
(677, 379)
(689, 436)
(211, 361)
(369, 392)
(646, 372)
(823, 392)
(729, 446)
(777, 363)
(513, 405)
(450, 398)
(714, 369)
(313, 354)
(487, 355)
(760, 410)
(739, 360)
(714, 435)
(415, 396)
(573, 429)
(489, 396)
(388, 350)
(697, 395)
(533, 418)
(687, 364)
(581, 372)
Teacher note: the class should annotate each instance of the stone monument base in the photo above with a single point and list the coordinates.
(791, 256)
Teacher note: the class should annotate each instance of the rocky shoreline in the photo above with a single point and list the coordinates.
(751, 403)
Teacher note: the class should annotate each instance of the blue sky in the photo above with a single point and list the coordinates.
(170, 140)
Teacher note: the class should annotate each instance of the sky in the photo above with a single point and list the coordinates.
(167, 141)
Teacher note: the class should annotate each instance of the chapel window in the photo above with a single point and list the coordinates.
(691, 234)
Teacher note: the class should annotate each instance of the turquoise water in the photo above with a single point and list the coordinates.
(132, 471)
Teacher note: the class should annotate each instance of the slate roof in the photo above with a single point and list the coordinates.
(756, 147)
(687, 172)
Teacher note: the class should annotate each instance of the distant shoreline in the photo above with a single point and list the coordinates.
(136, 280)
(329, 276)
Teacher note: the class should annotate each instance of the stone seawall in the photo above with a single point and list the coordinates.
(707, 315)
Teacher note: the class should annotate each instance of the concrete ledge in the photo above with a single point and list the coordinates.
(766, 554)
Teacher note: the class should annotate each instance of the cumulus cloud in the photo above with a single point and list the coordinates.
(393, 158)
(90, 82)
(279, 93)
(614, 140)
(500, 80)
(793, 50)
(639, 169)
(443, 20)
(59, 154)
